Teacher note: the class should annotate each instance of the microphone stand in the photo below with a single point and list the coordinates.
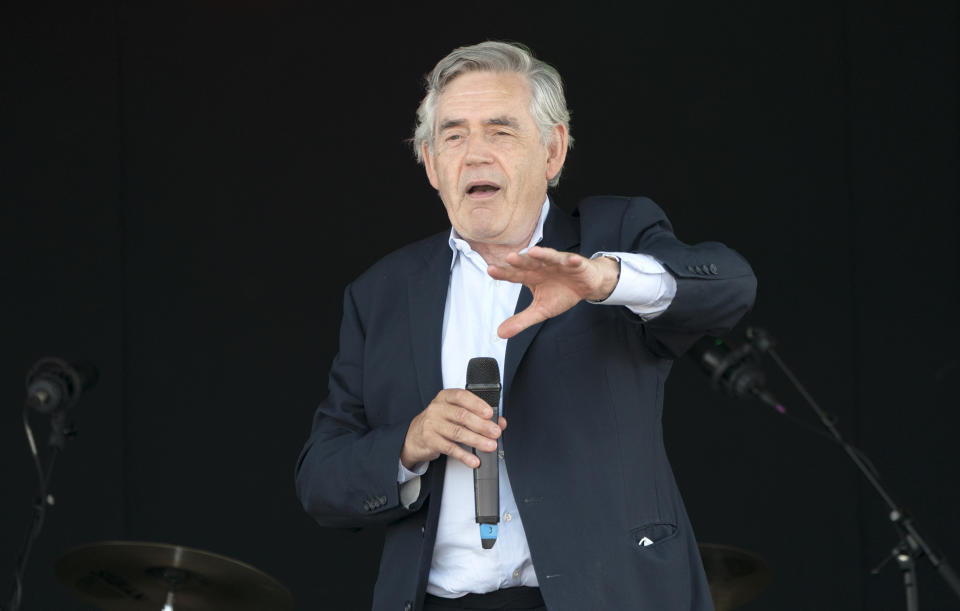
(60, 429)
(911, 545)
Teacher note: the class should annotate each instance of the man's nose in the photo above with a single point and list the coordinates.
(478, 150)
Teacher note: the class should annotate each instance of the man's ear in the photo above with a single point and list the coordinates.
(556, 151)
(428, 165)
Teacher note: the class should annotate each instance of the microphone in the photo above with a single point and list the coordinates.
(734, 371)
(54, 385)
(483, 380)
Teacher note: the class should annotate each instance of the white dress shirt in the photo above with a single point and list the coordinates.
(476, 305)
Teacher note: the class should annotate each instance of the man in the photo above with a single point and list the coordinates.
(584, 315)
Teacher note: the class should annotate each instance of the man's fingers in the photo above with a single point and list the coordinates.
(461, 416)
(539, 256)
(510, 273)
(467, 400)
(454, 450)
(534, 259)
(467, 458)
(518, 322)
(550, 256)
(467, 428)
(537, 265)
(455, 418)
(464, 436)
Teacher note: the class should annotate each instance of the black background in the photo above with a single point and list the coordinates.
(187, 187)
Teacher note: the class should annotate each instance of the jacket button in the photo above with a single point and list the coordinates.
(713, 269)
(690, 268)
(408, 606)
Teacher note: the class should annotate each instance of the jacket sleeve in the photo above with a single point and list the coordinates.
(715, 285)
(346, 475)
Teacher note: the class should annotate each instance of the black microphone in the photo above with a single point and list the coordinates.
(733, 371)
(54, 385)
(483, 380)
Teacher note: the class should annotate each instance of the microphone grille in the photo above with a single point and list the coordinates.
(483, 370)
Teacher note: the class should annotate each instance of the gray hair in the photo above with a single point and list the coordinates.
(547, 104)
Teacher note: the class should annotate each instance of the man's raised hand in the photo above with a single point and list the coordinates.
(558, 281)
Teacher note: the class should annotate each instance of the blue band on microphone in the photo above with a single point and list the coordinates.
(488, 535)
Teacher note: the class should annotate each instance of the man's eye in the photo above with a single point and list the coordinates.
(453, 137)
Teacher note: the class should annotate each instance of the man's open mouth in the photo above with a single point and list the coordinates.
(482, 189)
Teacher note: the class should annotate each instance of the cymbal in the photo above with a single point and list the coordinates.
(735, 576)
(135, 576)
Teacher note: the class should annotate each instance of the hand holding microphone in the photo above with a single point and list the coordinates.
(454, 417)
(469, 417)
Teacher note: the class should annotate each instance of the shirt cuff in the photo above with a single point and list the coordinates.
(404, 475)
(410, 482)
(645, 286)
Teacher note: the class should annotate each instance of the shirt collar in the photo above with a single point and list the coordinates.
(458, 244)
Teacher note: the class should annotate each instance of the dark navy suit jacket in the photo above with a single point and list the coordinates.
(584, 392)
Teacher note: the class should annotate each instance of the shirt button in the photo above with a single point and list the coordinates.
(516, 574)
(507, 517)
(500, 454)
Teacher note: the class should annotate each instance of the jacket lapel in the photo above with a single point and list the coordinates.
(427, 295)
(562, 232)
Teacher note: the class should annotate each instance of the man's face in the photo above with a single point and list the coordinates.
(489, 164)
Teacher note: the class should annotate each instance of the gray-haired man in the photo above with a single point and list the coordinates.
(583, 314)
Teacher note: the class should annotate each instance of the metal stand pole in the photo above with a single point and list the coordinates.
(912, 544)
(59, 432)
(909, 569)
